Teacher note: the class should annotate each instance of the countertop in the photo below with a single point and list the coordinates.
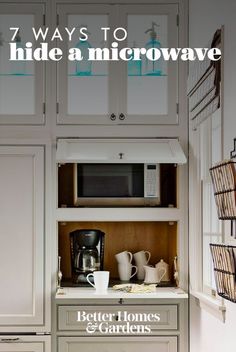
(73, 293)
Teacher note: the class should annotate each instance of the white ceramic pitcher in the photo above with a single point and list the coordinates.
(153, 275)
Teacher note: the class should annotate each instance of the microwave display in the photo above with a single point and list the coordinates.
(116, 184)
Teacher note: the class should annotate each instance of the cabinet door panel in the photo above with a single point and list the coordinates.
(68, 316)
(124, 344)
(149, 93)
(22, 235)
(21, 82)
(84, 87)
(24, 344)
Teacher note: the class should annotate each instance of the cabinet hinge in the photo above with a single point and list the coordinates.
(44, 19)
(57, 20)
(44, 108)
(177, 108)
(177, 20)
(57, 108)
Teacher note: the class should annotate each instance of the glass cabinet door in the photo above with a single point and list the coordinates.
(149, 93)
(84, 87)
(121, 92)
(21, 82)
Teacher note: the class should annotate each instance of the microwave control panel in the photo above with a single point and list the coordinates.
(151, 180)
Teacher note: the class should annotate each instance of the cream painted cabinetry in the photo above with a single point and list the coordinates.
(24, 298)
(165, 335)
(24, 344)
(67, 315)
(22, 82)
(118, 344)
(115, 91)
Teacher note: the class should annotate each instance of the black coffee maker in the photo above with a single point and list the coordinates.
(87, 253)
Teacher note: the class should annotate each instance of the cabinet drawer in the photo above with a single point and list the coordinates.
(158, 317)
(118, 344)
(23, 343)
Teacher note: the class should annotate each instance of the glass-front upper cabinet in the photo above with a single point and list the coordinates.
(149, 86)
(140, 90)
(84, 87)
(21, 81)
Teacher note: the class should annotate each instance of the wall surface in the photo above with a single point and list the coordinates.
(207, 333)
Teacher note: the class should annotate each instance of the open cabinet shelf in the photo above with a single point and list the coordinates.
(159, 238)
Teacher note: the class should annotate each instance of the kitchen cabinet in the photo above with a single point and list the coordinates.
(115, 92)
(22, 252)
(120, 312)
(67, 315)
(24, 344)
(159, 238)
(21, 82)
(117, 344)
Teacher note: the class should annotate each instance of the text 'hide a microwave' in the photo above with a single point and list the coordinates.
(116, 184)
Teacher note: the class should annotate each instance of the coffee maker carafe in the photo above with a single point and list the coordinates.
(87, 253)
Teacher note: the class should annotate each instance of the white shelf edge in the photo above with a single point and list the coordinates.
(214, 306)
(118, 214)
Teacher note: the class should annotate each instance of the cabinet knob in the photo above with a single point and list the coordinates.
(121, 116)
(113, 117)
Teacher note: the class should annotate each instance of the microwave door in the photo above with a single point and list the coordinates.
(110, 185)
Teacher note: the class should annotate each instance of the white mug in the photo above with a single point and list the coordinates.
(125, 271)
(124, 257)
(101, 280)
(141, 258)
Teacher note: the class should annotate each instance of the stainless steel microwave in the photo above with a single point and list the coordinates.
(116, 184)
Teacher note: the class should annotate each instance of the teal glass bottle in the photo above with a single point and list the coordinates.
(18, 67)
(134, 66)
(84, 67)
(153, 68)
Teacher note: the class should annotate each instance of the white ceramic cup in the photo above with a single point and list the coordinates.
(124, 257)
(101, 280)
(125, 271)
(141, 258)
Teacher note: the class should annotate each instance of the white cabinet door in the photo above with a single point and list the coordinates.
(21, 82)
(22, 235)
(118, 344)
(24, 344)
(105, 89)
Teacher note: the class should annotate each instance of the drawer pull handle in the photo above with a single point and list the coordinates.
(16, 339)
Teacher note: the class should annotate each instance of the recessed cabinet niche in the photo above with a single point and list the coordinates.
(66, 186)
(159, 238)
